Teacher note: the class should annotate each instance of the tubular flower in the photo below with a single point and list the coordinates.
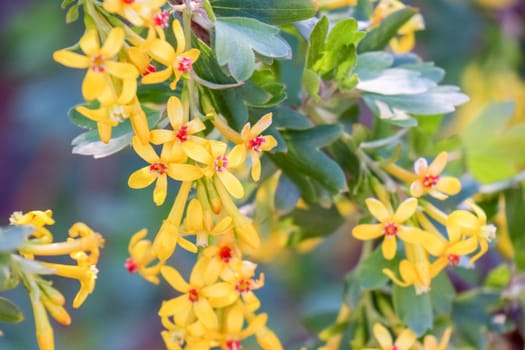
(405, 41)
(389, 225)
(219, 164)
(194, 303)
(99, 62)
(474, 226)
(178, 62)
(404, 342)
(197, 224)
(429, 179)
(182, 137)
(255, 144)
(38, 219)
(138, 13)
(159, 170)
(141, 256)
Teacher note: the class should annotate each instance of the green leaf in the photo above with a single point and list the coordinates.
(306, 158)
(370, 274)
(72, 14)
(414, 310)
(236, 39)
(66, 3)
(315, 221)
(207, 66)
(514, 204)
(312, 83)
(502, 150)
(9, 312)
(315, 323)
(498, 277)
(7, 279)
(316, 42)
(79, 119)
(286, 195)
(442, 293)
(352, 290)
(378, 38)
(13, 237)
(269, 11)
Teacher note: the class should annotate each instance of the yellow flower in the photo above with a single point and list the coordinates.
(138, 13)
(232, 332)
(267, 339)
(182, 137)
(159, 170)
(112, 114)
(219, 164)
(430, 180)
(38, 219)
(141, 256)
(221, 259)
(405, 41)
(389, 225)
(197, 224)
(404, 342)
(194, 303)
(474, 226)
(254, 143)
(99, 62)
(177, 62)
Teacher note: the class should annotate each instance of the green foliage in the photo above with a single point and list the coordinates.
(414, 310)
(9, 312)
(250, 36)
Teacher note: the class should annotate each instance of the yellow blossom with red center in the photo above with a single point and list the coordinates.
(196, 223)
(100, 63)
(141, 258)
(254, 143)
(182, 137)
(177, 61)
(429, 179)
(159, 169)
(390, 225)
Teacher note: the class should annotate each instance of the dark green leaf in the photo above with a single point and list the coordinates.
(269, 11)
(414, 310)
(378, 38)
(315, 221)
(250, 35)
(79, 119)
(352, 291)
(286, 195)
(12, 237)
(9, 312)
(514, 204)
(442, 293)
(370, 274)
(315, 323)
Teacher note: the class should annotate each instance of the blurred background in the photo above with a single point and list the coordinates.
(479, 43)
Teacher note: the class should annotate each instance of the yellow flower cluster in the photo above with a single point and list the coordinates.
(82, 246)
(417, 223)
(217, 306)
(407, 340)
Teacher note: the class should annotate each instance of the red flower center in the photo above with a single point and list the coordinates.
(453, 259)
(128, 1)
(233, 345)
(395, 347)
(149, 69)
(182, 134)
(225, 253)
(162, 19)
(221, 163)
(243, 285)
(430, 181)
(193, 295)
(131, 265)
(98, 63)
(390, 229)
(184, 64)
(159, 168)
(256, 143)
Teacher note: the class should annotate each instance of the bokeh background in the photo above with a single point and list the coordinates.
(479, 43)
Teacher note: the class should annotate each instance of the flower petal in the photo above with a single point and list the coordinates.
(197, 152)
(407, 271)
(113, 42)
(234, 319)
(71, 59)
(145, 151)
(162, 52)
(205, 314)
(383, 336)
(122, 70)
(193, 219)
(261, 125)
(179, 36)
(161, 189)
(175, 112)
(367, 231)
(93, 84)
(129, 90)
(448, 185)
(104, 132)
(256, 167)
(464, 247)
(232, 184)
(405, 210)
(417, 189)
(389, 247)
(406, 339)
(161, 136)
(89, 43)
(174, 278)
(236, 156)
(378, 209)
(420, 166)
(270, 143)
(157, 77)
(217, 290)
(184, 172)
(141, 178)
(173, 306)
(255, 325)
(195, 125)
(439, 164)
